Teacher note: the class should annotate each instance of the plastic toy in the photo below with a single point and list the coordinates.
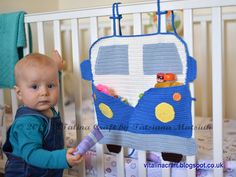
(160, 77)
(166, 80)
(110, 91)
(89, 141)
(103, 88)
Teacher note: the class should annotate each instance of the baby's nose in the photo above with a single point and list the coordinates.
(44, 91)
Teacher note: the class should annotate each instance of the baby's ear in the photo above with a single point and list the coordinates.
(18, 92)
(58, 59)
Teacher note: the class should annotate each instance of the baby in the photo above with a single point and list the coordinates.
(34, 144)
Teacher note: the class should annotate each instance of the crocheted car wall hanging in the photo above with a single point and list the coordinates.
(141, 93)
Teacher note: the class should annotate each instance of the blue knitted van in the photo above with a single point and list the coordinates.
(161, 119)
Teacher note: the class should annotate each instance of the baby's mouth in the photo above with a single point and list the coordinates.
(44, 102)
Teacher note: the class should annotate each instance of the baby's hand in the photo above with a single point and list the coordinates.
(57, 58)
(73, 159)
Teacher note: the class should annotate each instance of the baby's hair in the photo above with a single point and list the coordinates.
(32, 60)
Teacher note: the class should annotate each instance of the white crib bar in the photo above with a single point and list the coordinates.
(188, 29)
(27, 48)
(57, 46)
(76, 62)
(217, 96)
(166, 172)
(77, 84)
(163, 23)
(120, 155)
(121, 163)
(40, 32)
(93, 29)
(137, 27)
(188, 37)
(99, 147)
(137, 18)
(57, 35)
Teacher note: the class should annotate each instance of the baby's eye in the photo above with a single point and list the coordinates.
(34, 86)
(51, 85)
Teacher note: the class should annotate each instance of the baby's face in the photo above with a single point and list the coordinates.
(39, 88)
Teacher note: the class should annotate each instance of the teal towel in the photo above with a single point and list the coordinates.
(12, 42)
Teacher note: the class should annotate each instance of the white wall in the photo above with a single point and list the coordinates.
(34, 6)
(77, 4)
(29, 6)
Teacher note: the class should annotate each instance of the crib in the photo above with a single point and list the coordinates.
(67, 28)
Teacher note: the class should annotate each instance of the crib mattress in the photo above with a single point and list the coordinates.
(205, 139)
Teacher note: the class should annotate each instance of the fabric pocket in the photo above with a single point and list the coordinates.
(112, 113)
(163, 111)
